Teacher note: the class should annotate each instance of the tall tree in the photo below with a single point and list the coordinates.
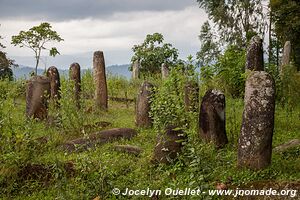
(153, 52)
(236, 20)
(286, 16)
(36, 38)
(209, 50)
(5, 64)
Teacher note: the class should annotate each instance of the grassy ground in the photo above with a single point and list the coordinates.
(100, 170)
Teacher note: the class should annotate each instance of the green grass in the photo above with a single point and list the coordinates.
(100, 170)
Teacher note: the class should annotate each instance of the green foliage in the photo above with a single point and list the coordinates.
(209, 50)
(152, 53)
(286, 16)
(237, 21)
(288, 88)
(230, 71)
(167, 102)
(36, 38)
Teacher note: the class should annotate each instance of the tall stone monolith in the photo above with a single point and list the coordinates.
(286, 55)
(53, 75)
(212, 118)
(37, 96)
(255, 140)
(164, 71)
(254, 57)
(142, 118)
(76, 78)
(135, 69)
(101, 96)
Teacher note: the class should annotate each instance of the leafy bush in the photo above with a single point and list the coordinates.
(167, 102)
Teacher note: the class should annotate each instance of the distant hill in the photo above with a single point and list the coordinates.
(115, 70)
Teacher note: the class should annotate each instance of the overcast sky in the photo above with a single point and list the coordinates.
(112, 26)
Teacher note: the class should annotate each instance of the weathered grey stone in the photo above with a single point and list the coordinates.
(169, 145)
(101, 96)
(255, 140)
(286, 55)
(254, 58)
(75, 76)
(135, 69)
(128, 149)
(37, 96)
(191, 96)
(212, 118)
(288, 145)
(164, 71)
(53, 75)
(142, 118)
(100, 137)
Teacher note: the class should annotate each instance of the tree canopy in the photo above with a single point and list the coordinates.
(153, 52)
(237, 21)
(36, 38)
(286, 16)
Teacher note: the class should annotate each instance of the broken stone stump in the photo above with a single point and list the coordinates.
(37, 96)
(286, 55)
(101, 137)
(53, 75)
(255, 140)
(142, 118)
(212, 118)
(164, 71)
(76, 78)
(254, 57)
(169, 145)
(135, 69)
(128, 149)
(101, 96)
(191, 96)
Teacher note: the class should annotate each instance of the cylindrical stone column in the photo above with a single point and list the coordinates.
(255, 140)
(212, 118)
(53, 75)
(101, 96)
(37, 95)
(254, 58)
(76, 78)
(142, 118)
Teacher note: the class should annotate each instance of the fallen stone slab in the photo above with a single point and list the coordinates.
(288, 145)
(128, 149)
(100, 137)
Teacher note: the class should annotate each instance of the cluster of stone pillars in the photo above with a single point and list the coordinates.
(255, 139)
(44, 89)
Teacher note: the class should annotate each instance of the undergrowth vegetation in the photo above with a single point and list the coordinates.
(27, 144)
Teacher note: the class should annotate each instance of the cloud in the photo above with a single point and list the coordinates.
(58, 10)
(117, 34)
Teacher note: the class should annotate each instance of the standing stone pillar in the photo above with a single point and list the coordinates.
(212, 118)
(286, 55)
(101, 97)
(37, 95)
(255, 140)
(142, 118)
(191, 96)
(75, 77)
(164, 71)
(135, 69)
(254, 58)
(53, 75)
